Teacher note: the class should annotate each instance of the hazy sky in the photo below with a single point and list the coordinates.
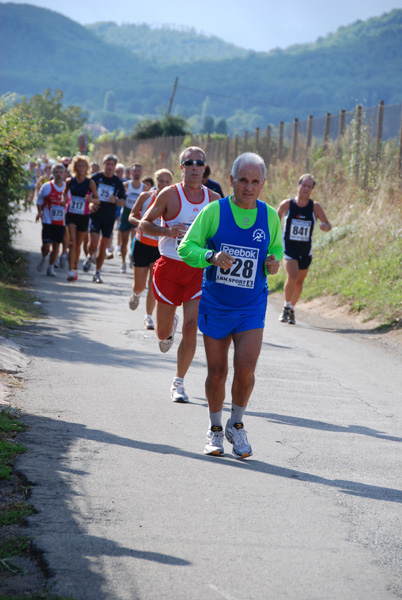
(256, 24)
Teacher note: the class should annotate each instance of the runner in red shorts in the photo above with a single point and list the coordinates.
(174, 282)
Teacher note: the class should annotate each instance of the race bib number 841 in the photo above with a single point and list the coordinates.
(243, 271)
(300, 230)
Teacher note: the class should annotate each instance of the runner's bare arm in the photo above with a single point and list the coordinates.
(94, 191)
(136, 210)
(283, 208)
(319, 212)
(166, 205)
(66, 190)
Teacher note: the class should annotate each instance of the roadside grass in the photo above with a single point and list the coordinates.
(16, 306)
(11, 548)
(16, 303)
(359, 262)
(13, 512)
(9, 447)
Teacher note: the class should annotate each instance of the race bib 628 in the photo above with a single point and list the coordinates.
(243, 271)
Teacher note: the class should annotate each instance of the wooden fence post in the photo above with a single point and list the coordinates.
(308, 141)
(294, 138)
(380, 120)
(236, 145)
(257, 140)
(218, 151)
(280, 142)
(327, 130)
(341, 131)
(342, 120)
(227, 143)
(358, 135)
(245, 142)
(268, 147)
(400, 156)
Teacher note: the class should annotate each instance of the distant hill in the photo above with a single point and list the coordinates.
(41, 48)
(360, 63)
(164, 45)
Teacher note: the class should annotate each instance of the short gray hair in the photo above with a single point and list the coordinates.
(58, 166)
(191, 149)
(249, 158)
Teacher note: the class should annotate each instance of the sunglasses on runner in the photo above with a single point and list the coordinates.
(190, 163)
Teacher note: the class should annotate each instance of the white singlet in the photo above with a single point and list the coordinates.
(132, 194)
(187, 213)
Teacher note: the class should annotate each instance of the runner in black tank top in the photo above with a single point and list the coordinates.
(78, 190)
(300, 215)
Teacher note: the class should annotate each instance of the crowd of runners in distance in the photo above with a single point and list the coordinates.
(191, 247)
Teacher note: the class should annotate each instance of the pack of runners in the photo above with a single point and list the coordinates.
(190, 247)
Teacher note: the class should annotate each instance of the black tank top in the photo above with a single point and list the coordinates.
(299, 227)
(79, 189)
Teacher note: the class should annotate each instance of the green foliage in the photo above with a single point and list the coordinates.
(16, 304)
(15, 546)
(208, 125)
(20, 134)
(14, 514)
(9, 449)
(165, 126)
(63, 144)
(9, 424)
(221, 126)
(47, 108)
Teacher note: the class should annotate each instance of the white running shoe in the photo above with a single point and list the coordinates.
(134, 301)
(236, 435)
(148, 322)
(70, 275)
(214, 445)
(110, 252)
(165, 345)
(97, 277)
(50, 271)
(63, 261)
(177, 393)
(87, 264)
(123, 268)
(41, 265)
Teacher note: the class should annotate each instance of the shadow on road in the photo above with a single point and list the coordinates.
(322, 426)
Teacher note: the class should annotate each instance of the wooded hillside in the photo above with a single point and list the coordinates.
(357, 64)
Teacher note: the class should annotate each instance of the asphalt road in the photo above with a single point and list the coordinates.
(130, 508)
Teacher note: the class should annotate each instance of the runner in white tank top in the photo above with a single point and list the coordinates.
(145, 251)
(174, 282)
(187, 213)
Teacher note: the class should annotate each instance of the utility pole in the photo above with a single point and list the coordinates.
(176, 81)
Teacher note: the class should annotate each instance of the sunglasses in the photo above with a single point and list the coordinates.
(190, 163)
